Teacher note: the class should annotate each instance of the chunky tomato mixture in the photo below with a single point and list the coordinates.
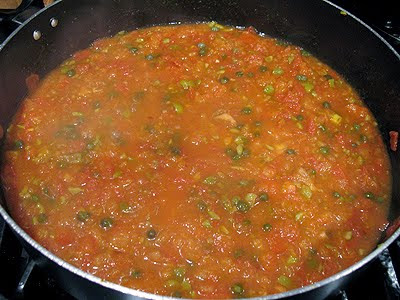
(198, 161)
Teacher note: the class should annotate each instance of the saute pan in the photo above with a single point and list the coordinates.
(336, 37)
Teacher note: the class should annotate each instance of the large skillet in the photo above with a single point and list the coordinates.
(370, 65)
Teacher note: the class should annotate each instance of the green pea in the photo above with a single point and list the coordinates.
(149, 57)
(96, 104)
(242, 206)
(202, 206)
(83, 215)
(363, 138)
(133, 50)
(237, 289)
(42, 218)
(239, 74)
(301, 77)
(356, 127)
(106, 223)
(224, 80)
(263, 197)
(369, 195)
(326, 104)
(18, 145)
(291, 151)
(71, 73)
(246, 110)
(324, 150)
(203, 51)
(267, 227)
(151, 234)
(263, 69)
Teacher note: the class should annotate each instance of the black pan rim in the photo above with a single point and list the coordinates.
(136, 293)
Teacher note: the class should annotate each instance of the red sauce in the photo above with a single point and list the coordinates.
(198, 161)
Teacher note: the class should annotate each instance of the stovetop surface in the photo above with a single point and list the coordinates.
(21, 279)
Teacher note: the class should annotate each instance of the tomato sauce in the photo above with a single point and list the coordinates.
(198, 161)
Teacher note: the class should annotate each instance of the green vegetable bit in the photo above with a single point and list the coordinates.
(301, 77)
(239, 74)
(178, 107)
(136, 274)
(133, 50)
(149, 57)
(369, 195)
(291, 151)
(179, 272)
(186, 84)
(250, 198)
(42, 218)
(151, 234)
(18, 145)
(210, 180)
(308, 86)
(285, 281)
(306, 191)
(224, 80)
(324, 150)
(238, 253)
(263, 69)
(246, 110)
(83, 216)
(267, 227)
(277, 71)
(269, 89)
(242, 206)
(336, 195)
(326, 104)
(71, 73)
(356, 127)
(363, 138)
(263, 197)
(178, 294)
(202, 206)
(305, 53)
(299, 118)
(237, 289)
(106, 223)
